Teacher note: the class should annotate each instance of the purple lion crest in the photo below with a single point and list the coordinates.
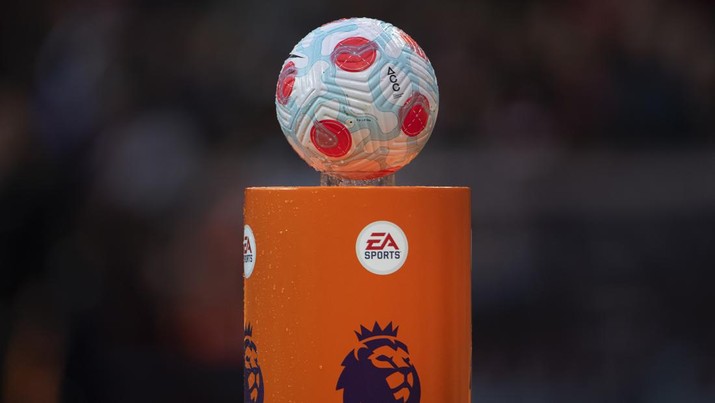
(252, 376)
(379, 369)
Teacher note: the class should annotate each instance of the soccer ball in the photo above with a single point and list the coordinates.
(357, 98)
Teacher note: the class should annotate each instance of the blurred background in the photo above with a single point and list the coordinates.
(129, 129)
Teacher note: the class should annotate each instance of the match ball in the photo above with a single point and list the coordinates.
(357, 98)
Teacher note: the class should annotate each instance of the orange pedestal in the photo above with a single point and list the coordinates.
(357, 294)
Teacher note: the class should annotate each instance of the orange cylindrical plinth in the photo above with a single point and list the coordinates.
(357, 294)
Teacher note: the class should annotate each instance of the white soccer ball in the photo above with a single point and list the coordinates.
(357, 98)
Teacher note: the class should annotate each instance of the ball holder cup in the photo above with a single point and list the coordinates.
(357, 292)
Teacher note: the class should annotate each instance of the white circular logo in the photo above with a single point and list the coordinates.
(381, 247)
(249, 251)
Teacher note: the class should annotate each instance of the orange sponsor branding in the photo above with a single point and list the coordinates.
(357, 295)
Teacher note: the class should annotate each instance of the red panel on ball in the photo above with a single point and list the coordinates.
(331, 138)
(354, 54)
(415, 114)
(286, 80)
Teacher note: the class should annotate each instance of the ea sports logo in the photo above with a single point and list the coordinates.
(381, 247)
(249, 251)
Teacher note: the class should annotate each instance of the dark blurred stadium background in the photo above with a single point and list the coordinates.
(128, 131)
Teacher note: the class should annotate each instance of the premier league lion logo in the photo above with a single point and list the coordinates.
(252, 376)
(379, 370)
